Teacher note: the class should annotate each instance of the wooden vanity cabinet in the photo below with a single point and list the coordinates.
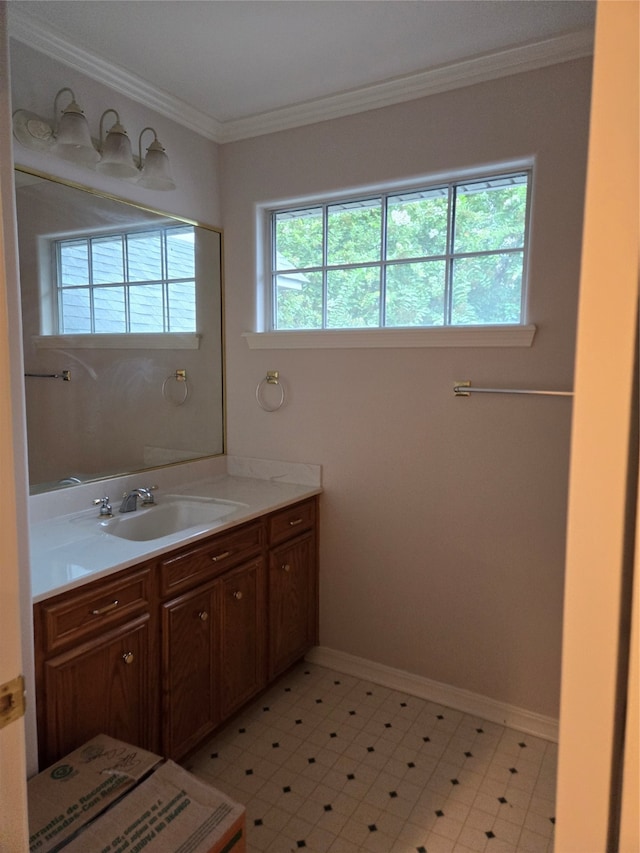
(293, 585)
(241, 613)
(162, 654)
(95, 649)
(189, 650)
(102, 686)
(212, 636)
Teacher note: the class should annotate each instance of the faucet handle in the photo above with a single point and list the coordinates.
(105, 507)
(146, 495)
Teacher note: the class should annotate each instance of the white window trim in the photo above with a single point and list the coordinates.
(434, 336)
(130, 340)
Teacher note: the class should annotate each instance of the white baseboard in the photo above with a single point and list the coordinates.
(434, 691)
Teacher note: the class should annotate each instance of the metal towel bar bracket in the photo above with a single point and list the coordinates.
(272, 378)
(465, 389)
(65, 375)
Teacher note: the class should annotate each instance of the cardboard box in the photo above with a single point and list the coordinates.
(170, 811)
(75, 790)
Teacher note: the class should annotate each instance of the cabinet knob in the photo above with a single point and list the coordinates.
(286, 567)
(237, 594)
(128, 657)
(203, 616)
(219, 557)
(295, 522)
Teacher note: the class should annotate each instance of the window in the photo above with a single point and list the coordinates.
(446, 255)
(136, 281)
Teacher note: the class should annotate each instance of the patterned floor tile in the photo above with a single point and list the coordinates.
(329, 763)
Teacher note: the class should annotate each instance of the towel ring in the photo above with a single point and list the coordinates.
(270, 379)
(179, 376)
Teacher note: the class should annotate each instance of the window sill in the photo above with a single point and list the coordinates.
(160, 340)
(458, 336)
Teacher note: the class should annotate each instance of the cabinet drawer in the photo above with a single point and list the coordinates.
(206, 561)
(291, 521)
(98, 606)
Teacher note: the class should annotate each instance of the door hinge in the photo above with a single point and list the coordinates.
(12, 701)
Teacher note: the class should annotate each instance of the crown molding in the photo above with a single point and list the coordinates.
(27, 30)
(454, 75)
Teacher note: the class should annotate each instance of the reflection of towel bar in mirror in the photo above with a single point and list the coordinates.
(65, 375)
(464, 389)
(179, 376)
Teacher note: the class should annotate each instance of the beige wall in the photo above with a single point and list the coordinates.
(443, 519)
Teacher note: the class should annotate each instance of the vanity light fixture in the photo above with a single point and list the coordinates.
(155, 172)
(117, 158)
(68, 138)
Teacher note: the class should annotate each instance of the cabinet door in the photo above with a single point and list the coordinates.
(292, 602)
(242, 644)
(100, 687)
(188, 668)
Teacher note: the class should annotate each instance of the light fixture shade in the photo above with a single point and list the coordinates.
(117, 158)
(73, 139)
(156, 174)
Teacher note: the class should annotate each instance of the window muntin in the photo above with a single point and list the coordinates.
(449, 255)
(129, 282)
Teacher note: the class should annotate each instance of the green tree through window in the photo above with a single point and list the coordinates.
(452, 254)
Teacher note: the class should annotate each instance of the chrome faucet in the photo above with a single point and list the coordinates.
(105, 507)
(130, 499)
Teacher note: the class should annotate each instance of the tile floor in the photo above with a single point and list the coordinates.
(328, 763)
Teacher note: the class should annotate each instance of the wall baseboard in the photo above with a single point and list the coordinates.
(434, 691)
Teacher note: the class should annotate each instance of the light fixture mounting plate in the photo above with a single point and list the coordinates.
(32, 131)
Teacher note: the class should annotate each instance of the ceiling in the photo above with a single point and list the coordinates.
(235, 68)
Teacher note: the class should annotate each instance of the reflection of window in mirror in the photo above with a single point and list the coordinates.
(125, 282)
(123, 297)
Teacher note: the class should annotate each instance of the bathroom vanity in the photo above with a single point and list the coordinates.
(158, 642)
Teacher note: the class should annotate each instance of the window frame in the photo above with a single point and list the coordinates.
(503, 334)
(56, 288)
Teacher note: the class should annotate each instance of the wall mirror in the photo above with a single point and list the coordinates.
(122, 331)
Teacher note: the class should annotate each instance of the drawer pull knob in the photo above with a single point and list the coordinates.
(238, 594)
(128, 657)
(105, 609)
(222, 556)
(295, 522)
(286, 567)
(203, 616)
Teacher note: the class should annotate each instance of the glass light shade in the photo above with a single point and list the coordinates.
(117, 159)
(156, 174)
(73, 139)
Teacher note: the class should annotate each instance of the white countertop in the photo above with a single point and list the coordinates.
(70, 550)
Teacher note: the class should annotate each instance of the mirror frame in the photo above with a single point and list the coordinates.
(34, 489)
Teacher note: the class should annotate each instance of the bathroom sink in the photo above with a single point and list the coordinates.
(173, 515)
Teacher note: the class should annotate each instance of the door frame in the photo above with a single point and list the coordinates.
(603, 472)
